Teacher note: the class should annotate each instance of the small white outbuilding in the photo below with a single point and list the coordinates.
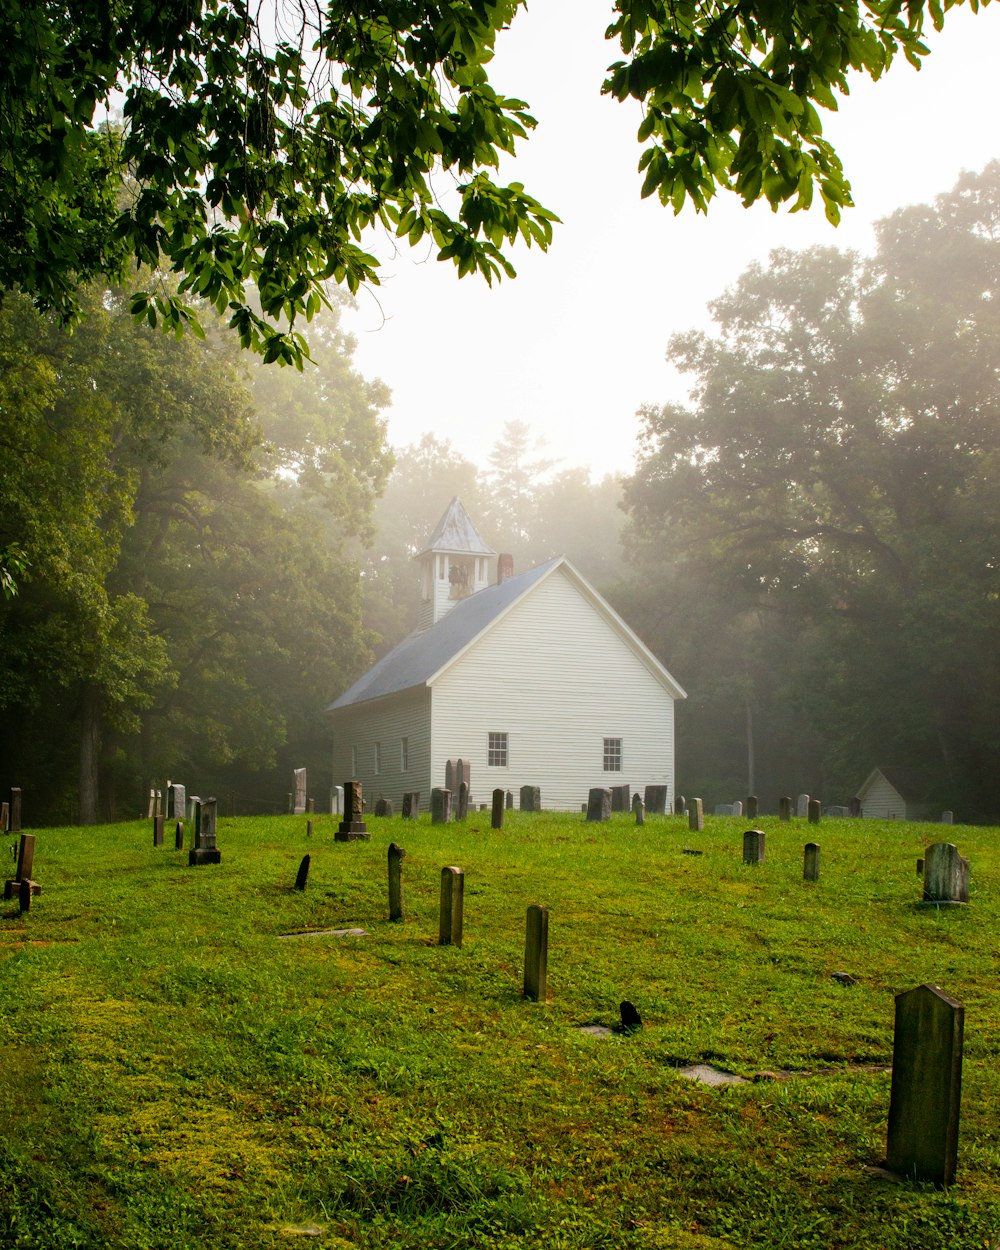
(536, 680)
(893, 793)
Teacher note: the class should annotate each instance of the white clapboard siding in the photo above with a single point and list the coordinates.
(880, 800)
(386, 721)
(558, 678)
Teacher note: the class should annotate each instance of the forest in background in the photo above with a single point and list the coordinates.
(205, 551)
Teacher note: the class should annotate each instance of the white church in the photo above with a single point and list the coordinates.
(535, 680)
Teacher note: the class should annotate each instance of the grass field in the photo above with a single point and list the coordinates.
(177, 1073)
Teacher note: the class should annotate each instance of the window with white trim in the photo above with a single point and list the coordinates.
(612, 755)
(496, 750)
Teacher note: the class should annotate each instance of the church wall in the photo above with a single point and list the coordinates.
(386, 722)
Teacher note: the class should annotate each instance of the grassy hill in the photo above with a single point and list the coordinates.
(177, 1072)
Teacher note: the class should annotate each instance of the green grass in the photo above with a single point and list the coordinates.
(176, 1074)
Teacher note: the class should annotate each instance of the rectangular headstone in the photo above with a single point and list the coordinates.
(509, 801)
(837, 811)
(463, 799)
(463, 772)
(810, 862)
(815, 811)
(299, 791)
(175, 801)
(336, 800)
(452, 907)
(723, 809)
(411, 805)
(947, 818)
(802, 806)
(536, 953)
(158, 823)
(655, 799)
(396, 857)
(753, 846)
(451, 775)
(531, 799)
(785, 807)
(204, 850)
(621, 798)
(680, 805)
(599, 803)
(696, 816)
(496, 819)
(440, 806)
(946, 874)
(751, 807)
(926, 1095)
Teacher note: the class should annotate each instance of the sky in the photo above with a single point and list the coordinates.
(575, 344)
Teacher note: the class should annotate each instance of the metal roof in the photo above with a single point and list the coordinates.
(455, 533)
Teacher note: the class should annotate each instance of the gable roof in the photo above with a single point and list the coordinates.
(420, 658)
(456, 534)
(911, 784)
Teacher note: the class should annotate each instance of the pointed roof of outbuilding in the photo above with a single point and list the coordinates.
(456, 534)
(420, 658)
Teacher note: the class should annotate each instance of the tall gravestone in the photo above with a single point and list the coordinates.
(496, 818)
(621, 798)
(785, 807)
(753, 846)
(396, 857)
(509, 800)
(205, 850)
(463, 772)
(815, 811)
(854, 807)
(452, 907)
(531, 799)
(946, 875)
(299, 791)
(810, 862)
(926, 1094)
(638, 809)
(158, 827)
(440, 806)
(411, 805)
(353, 828)
(751, 807)
(15, 809)
(463, 800)
(680, 805)
(536, 953)
(175, 801)
(336, 800)
(802, 806)
(599, 803)
(696, 816)
(451, 775)
(655, 799)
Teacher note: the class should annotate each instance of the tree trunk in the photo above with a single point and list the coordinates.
(90, 740)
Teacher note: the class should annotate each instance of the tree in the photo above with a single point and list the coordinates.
(514, 479)
(259, 145)
(836, 471)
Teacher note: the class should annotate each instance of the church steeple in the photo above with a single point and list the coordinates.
(454, 564)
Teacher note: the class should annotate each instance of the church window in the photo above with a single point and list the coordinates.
(496, 753)
(612, 755)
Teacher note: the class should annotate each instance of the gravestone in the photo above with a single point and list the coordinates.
(383, 807)
(299, 791)
(751, 807)
(854, 807)
(15, 809)
(509, 801)
(302, 876)
(815, 811)
(158, 823)
(655, 800)
(175, 801)
(599, 803)
(440, 806)
(638, 810)
(810, 862)
(785, 808)
(463, 800)
(947, 818)
(336, 800)
(204, 850)
(411, 805)
(620, 798)
(452, 907)
(353, 828)
(802, 806)
(946, 875)
(696, 816)
(837, 811)
(738, 808)
(536, 953)
(680, 805)
(925, 1099)
(723, 809)
(920, 867)
(311, 806)
(5, 816)
(309, 828)
(450, 775)
(463, 772)
(24, 893)
(179, 836)
(496, 820)
(630, 1018)
(531, 799)
(190, 807)
(753, 846)
(396, 857)
(22, 873)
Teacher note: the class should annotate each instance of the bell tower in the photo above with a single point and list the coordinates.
(454, 564)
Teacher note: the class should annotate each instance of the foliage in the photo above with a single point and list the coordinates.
(833, 484)
(178, 1073)
(261, 146)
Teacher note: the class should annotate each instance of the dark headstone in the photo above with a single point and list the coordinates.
(536, 953)
(751, 805)
(309, 828)
(451, 775)
(411, 805)
(946, 874)
(531, 799)
(382, 807)
(810, 862)
(204, 850)
(509, 801)
(631, 1020)
(15, 809)
(638, 810)
(815, 811)
(24, 895)
(753, 846)
(302, 876)
(925, 1100)
(463, 799)
(158, 823)
(655, 799)
(696, 816)
(680, 805)
(854, 807)
(621, 798)
(452, 906)
(496, 819)
(353, 828)
(24, 869)
(396, 857)
(440, 806)
(5, 816)
(785, 807)
(599, 803)
(179, 836)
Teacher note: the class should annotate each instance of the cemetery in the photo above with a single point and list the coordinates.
(618, 1028)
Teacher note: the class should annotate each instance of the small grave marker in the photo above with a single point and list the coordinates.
(680, 805)
(158, 823)
(411, 805)
(753, 846)
(299, 791)
(452, 906)
(396, 857)
(536, 953)
(599, 803)
(638, 810)
(302, 876)
(509, 800)
(630, 1018)
(785, 807)
(531, 799)
(496, 819)
(815, 811)
(440, 806)
(696, 816)
(810, 862)
(751, 806)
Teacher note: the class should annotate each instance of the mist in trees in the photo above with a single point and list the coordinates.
(816, 536)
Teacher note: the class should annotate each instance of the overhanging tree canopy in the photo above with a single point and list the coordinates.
(259, 143)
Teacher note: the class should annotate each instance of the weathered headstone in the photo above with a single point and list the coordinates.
(621, 798)
(452, 907)
(336, 800)
(353, 828)
(5, 815)
(509, 800)
(25, 866)
(190, 807)
(599, 803)
(396, 857)
(302, 876)
(179, 836)
(785, 807)
(411, 805)
(440, 806)
(451, 775)
(24, 893)
(723, 809)
(946, 875)
(751, 807)
(815, 811)
(810, 862)
(920, 867)
(536, 953)
(175, 801)
(696, 816)
(158, 823)
(311, 806)
(947, 818)
(638, 810)
(738, 807)
(680, 805)
(309, 828)
(531, 799)
(802, 806)
(383, 807)
(925, 1099)
(837, 811)
(463, 772)
(496, 820)
(205, 850)
(15, 809)
(299, 791)
(655, 799)
(753, 846)
(854, 807)
(463, 799)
